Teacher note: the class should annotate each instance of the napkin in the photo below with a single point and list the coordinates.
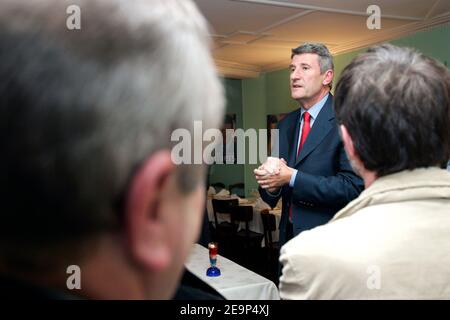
(211, 191)
(223, 193)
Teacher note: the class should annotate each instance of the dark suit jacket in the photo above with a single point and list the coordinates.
(325, 182)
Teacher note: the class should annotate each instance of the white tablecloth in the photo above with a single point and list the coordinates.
(235, 281)
(255, 225)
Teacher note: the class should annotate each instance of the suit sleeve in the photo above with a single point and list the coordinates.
(331, 191)
(270, 199)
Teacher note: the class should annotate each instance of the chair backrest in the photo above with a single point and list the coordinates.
(237, 188)
(218, 186)
(224, 206)
(242, 214)
(269, 225)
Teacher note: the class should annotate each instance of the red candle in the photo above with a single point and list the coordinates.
(212, 250)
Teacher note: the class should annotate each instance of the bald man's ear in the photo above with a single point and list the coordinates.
(348, 142)
(146, 231)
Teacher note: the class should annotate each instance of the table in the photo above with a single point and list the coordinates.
(235, 281)
(255, 225)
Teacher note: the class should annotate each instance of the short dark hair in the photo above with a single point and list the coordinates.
(395, 104)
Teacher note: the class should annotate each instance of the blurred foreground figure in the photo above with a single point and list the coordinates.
(392, 242)
(92, 203)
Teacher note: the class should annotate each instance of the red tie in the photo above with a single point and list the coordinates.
(305, 131)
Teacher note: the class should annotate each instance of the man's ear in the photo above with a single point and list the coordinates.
(146, 232)
(348, 142)
(329, 74)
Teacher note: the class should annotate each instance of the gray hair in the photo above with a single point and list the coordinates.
(81, 109)
(325, 58)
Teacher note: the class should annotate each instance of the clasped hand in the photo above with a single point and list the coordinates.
(272, 177)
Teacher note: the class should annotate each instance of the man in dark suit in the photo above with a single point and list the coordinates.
(314, 176)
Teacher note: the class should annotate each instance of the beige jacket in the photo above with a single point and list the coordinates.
(392, 242)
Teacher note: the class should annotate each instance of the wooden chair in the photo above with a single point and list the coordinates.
(218, 186)
(271, 248)
(247, 243)
(269, 225)
(224, 231)
(237, 188)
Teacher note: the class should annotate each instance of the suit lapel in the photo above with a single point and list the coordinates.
(292, 138)
(319, 130)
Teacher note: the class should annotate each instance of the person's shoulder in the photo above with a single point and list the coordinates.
(289, 118)
(312, 260)
(328, 108)
(314, 257)
(308, 241)
(193, 288)
(327, 241)
(16, 289)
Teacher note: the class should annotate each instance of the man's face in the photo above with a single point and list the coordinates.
(306, 79)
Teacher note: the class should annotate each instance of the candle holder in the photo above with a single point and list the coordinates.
(213, 271)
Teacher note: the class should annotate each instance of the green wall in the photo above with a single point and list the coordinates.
(230, 173)
(253, 99)
(254, 113)
(434, 43)
(278, 93)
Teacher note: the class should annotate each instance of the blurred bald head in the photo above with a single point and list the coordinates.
(82, 109)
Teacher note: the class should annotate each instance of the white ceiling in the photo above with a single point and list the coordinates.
(254, 36)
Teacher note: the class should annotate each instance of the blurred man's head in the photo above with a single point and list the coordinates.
(393, 105)
(85, 123)
(311, 73)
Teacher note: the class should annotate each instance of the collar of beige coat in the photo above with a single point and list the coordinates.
(417, 184)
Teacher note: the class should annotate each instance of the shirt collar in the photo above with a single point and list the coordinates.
(315, 109)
